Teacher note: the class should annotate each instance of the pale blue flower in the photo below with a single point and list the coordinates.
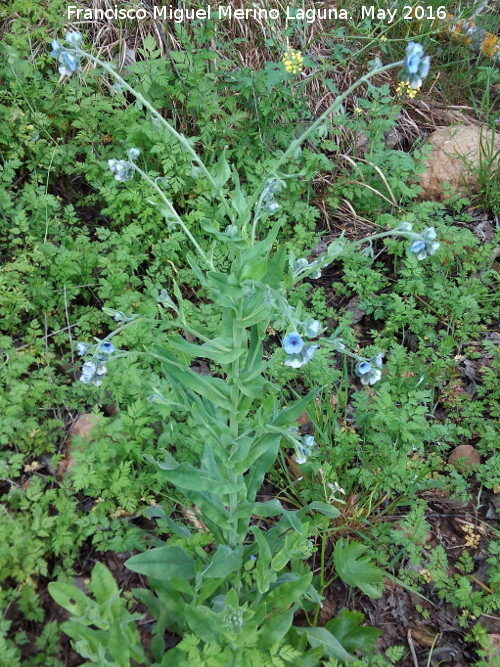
(304, 448)
(300, 264)
(89, 369)
(69, 63)
(369, 371)
(56, 49)
(107, 347)
(414, 53)
(416, 67)
(121, 169)
(316, 274)
(425, 244)
(313, 329)
(133, 154)
(405, 227)
(300, 359)
(74, 39)
(82, 348)
(293, 343)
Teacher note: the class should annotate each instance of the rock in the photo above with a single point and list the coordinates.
(495, 643)
(455, 158)
(82, 428)
(470, 455)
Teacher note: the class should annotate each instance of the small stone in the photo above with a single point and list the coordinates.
(469, 455)
(82, 428)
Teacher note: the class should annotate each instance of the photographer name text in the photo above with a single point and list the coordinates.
(227, 12)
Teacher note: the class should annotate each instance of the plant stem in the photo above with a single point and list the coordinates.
(174, 214)
(180, 137)
(234, 426)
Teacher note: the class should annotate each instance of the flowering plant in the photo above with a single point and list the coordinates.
(245, 589)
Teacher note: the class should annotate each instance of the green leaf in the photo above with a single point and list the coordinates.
(219, 350)
(264, 576)
(329, 511)
(70, 597)
(351, 634)
(292, 413)
(222, 170)
(275, 628)
(287, 593)
(357, 570)
(203, 622)
(332, 648)
(103, 586)
(224, 562)
(163, 562)
(186, 476)
(215, 389)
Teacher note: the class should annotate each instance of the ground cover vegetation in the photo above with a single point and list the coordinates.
(279, 358)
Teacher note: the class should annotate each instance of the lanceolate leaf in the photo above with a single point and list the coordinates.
(163, 562)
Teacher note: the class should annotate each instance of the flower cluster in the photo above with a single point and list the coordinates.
(124, 169)
(298, 352)
(94, 369)
(268, 203)
(302, 265)
(404, 88)
(293, 61)
(369, 371)
(304, 448)
(69, 62)
(416, 67)
(425, 244)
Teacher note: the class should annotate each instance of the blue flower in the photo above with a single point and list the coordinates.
(298, 360)
(405, 227)
(69, 63)
(293, 343)
(56, 49)
(133, 154)
(425, 244)
(272, 207)
(416, 67)
(107, 347)
(121, 169)
(74, 39)
(369, 371)
(82, 348)
(414, 53)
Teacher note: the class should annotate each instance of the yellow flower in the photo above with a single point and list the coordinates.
(404, 88)
(358, 111)
(293, 61)
(383, 38)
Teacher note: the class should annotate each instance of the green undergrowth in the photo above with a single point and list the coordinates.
(72, 240)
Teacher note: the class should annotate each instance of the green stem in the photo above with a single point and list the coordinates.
(180, 137)
(295, 144)
(174, 214)
(234, 427)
